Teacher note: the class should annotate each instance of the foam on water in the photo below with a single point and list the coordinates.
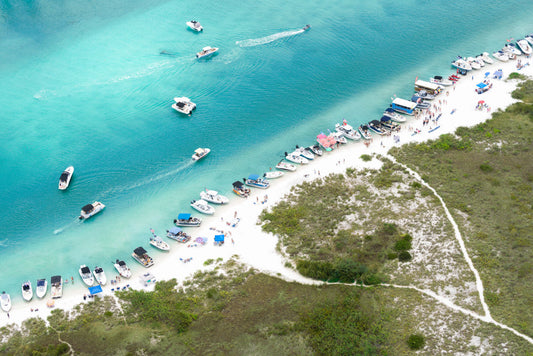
(267, 39)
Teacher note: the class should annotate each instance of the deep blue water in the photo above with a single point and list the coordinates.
(83, 83)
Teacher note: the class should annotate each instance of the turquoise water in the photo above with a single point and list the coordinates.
(84, 84)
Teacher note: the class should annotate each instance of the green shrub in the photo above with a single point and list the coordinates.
(366, 157)
(392, 255)
(416, 341)
(416, 185)
(405, 256)
(486, 167)
(209, 262)
(315, 269)
(402, 245)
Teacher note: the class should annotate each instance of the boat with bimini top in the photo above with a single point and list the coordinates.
(403, 106)
(90, 210)
(27, 291)
(86, 276)
(194, 25)
(183, 105)
(439, 80)
(56, 287)
(140, 255)
(185, 219)
(240, 189)
(206, 52)
(99, 275)
(255, 181)
(364, 130)
(122, 268)
(177, 234)
(41, 288)
(394, 116)
(200, 153)
(64, 179)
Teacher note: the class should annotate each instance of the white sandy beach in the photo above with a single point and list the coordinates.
(258, 249)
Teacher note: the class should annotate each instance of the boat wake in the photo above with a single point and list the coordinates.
(61, 229)
(264, 40)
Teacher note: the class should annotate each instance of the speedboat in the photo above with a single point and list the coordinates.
(388, 124)
(501, 56)
(240, 189)
(424, 95)
(86, 276)
(158, 243)
(461, 64)
(295, 158)
(200, 153)
(42, 287)
(212, 196)
(140, 255)
(394, 116)
(91, 209)
(273, 174)
(195, 26)
(183, 105)
(473, 63)
(364, 131)
(255, 181)
(27, 291)
(202, 206)
(56, 287)
(529, 38)
(315, 149)
(177, 234)
(511, 48)
(326, 142)
(5, 302)
(347, 131)
(441, 81)
(286, 166)
(305, 153)
(64, 179)
(306, 27)
(122, 268)
(187, 220)
(524, 46)
(339, 137)
(486, 58)
(206, 52)
(99, 275)
(375, 126)
(479, 60)
(420, 103)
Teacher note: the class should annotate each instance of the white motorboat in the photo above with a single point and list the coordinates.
(56, 287)
(394, 116)
(212, 196)
(473, 63)
(41, 288)
(461, 64)
(479, 60)
(194, 25)
(255, 181)
(339, 137)
(185, 219)
(122, 268)
(27, 291)
(158, 242)
(140, 255)
(240, 189)
(183, 105)
(529, 38)
(307, 154)
(486, 58)
(175, 233)
(99, 275)
(501, 56)
(5, 302)
(91, 209)
(202, 206)
(273, 174)
(347, 131)
(286, 166)
(524, 46)
(206, 52)
(511, 48)
(315, 149)
(424, 95)
(295, 158)
(200, 153)
(86, 276)
(364, 130)
(64, 179)
(441, 81)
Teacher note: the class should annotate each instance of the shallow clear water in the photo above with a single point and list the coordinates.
(85, 84)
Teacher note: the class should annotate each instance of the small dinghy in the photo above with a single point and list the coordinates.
(212, 196)
(202, 206)
(5, 302)
(286, 166)
(273, 174)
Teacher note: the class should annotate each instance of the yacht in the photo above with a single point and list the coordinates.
(187, 220)
(202, 206)
(200, 153)
(486, 58)
(122, 269)
(5, 302)
(441, 81)
(461, 64)
(64, 179)
(212, 196)
(286, 166)
(375, 126)
(91, 209)
(194, 25)
(524, 46)
(240, 189)
(206, 52)
(347, 131)
(255, 181)
(140, 255)
(388, 124)
(27, 291)
(273, 174)
(501, 56)
(183, 105)
(99, 275)
(56, 287)
(86, 276)
(394, 116)
(295, 158)
(158, 243)
(42, 287)
(177, 234)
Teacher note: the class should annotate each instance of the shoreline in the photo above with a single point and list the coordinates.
(257, 248)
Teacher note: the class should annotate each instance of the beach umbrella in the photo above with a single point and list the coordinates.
(95, 290)
(481, 102)
(51, 303)
(487, 74)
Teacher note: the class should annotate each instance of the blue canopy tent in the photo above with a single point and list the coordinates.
(95, 290)
(498, 74)
(219, 239)
(184, 216)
